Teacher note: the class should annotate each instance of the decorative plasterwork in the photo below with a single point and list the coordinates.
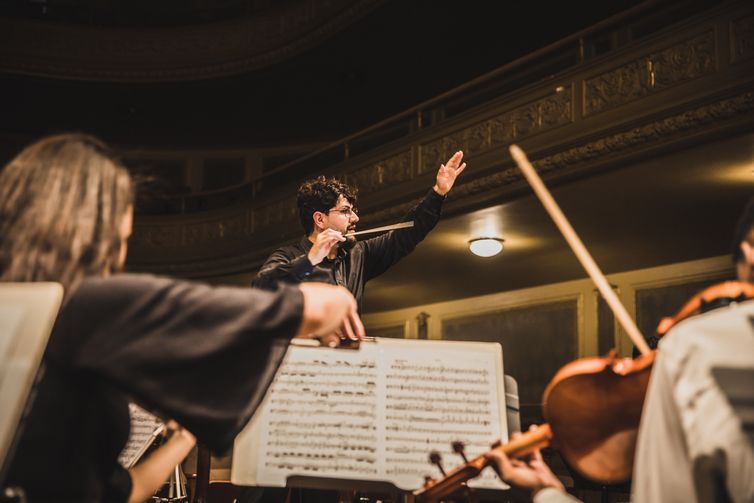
(689, 60)
(383, 174)
(168, 54)
(274, 214)
(282, 214)
(537, 116)
(621, 142)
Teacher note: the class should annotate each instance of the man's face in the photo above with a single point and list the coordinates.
(342, 217)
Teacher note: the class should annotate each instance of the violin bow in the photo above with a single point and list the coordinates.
(578, 248)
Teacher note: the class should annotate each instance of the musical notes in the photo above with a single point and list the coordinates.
(322, 414)
(143, 424)
(375, 413)
(431, 402)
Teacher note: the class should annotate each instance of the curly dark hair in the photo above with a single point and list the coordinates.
(320, 194)
(744, 228)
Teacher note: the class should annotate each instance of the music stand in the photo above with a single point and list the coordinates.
(27, 315)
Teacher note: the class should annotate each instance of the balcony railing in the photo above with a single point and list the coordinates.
(546, 63)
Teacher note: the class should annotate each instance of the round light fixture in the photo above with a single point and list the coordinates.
(486, 247)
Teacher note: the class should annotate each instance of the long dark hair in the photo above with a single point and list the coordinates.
(62, 200)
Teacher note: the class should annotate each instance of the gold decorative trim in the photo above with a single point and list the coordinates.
(543, 114)
(275, 214)
(282, 214)
(654, 72)
(182, 53)
(383, 174)
(609, 145)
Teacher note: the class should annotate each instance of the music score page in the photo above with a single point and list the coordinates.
(375, 413)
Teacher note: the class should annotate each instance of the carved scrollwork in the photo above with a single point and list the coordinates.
(680, 63)
(156, 236)
(386, 173)
(437, 152)
(282, 214)
(535, 117)
(274, 214)
(190, 52)
(203, 232)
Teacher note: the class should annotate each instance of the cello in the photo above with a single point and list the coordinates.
(592, 405)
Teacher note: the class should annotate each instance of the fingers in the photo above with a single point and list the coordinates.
(460, 170)
(352, 327)
(500, 462)
(329, 237)
(331, 340)
(348, 330)
(356, 323)
(454, 161)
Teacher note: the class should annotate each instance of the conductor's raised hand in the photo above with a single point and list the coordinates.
(329, 311)
(448, 172)
(323, 244)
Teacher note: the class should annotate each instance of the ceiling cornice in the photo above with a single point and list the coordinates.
(116, 54)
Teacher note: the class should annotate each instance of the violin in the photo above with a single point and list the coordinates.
(718, 295)
(592, 406)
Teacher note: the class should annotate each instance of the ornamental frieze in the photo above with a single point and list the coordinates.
(674, 65)
(386, 173)
(535, 117)
(202, 232)
(274, 214)
(283, 215)
(196, 51)
(743, 39)
(156, 236)
(686, 122)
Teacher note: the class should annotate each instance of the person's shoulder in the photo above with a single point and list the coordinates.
(292, 249)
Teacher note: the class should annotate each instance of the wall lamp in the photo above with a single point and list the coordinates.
(486, 247)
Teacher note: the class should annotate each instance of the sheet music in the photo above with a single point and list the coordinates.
(375, 413)
(143, 424)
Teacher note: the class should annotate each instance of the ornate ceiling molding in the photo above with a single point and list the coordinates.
(696, 88)
(629, 144)
(172, 54)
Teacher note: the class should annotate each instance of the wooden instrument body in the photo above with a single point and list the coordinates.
(593, 406)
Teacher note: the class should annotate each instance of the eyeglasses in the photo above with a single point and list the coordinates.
(346, 211)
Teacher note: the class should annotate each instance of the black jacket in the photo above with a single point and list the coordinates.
(203, 356)
(352, 269)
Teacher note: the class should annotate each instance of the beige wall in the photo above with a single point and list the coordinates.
(583, 292)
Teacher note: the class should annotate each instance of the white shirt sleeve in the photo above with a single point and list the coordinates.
(552, 495)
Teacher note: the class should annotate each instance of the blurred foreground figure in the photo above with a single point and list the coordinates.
(199, 355)
(693, 445)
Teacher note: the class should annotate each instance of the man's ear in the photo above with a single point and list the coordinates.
(319, 220)
(748, 252)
